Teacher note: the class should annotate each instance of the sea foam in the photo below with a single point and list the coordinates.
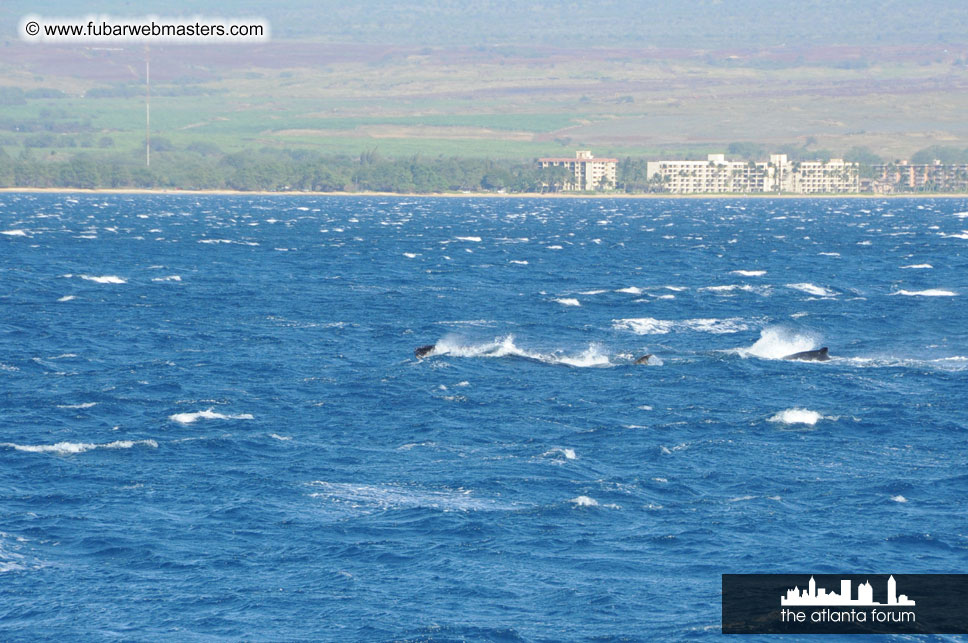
(505, 347)
(652, 326)
(777, 342)
(797, 416)
(66, 448)
(107, 279)
(930, 292)
(188, 418)
(811, 289)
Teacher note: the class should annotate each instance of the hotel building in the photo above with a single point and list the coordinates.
(585, 172)
(717, 175)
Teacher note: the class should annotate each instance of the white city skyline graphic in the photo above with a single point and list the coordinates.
(812, 595)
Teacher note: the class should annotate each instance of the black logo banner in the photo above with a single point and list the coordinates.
(845, 603)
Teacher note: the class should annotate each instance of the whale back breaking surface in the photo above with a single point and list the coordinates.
(819, 355)
(424, 351)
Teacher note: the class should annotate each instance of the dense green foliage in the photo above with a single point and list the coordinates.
(203, 167)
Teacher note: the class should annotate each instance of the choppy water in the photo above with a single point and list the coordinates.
(213, 424)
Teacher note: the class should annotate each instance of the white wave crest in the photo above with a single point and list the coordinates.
(898, 498)
(632, 290)
(14, 233)
(652, 326)
(84, 405)
(505, 347)
(569, 454)
(930, 292)
(188, 418)
(797, 416)
(65, 448)
(474, 239)
(810, 289)
(568, 301)
(729, 288)
(777, 342)
(584, 501)
(107, 279)
(749, 273)
(168, 278)
(918, 266)
(66, 298)
(367, 497)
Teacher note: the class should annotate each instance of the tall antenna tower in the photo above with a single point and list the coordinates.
(147, 106)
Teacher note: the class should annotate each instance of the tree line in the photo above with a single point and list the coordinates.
(203, 166)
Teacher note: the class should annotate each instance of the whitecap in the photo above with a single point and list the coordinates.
(188, 418)
(918, 266)
(474, 239)
(66, 298)
(372, 497)
(632, 290)
(593, 356)
(652, 326)
(898, 498)
(568, 301)
(797, 416)
(553, 247)
(410, 255)
(519, 263)
(749, 273)
(168, 278)
(811, 289)
(569, 454)
(777, 342)
(729, 288)
(584, 501)
(107, 279)
(279, 437)
(66, 448)
(83, 405)
(14, 233)
(931, 292)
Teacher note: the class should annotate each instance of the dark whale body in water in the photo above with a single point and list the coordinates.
(424, 351)
(644, 359)
(819, 355)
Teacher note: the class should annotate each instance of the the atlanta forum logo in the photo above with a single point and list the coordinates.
(863, 609)
(868, 603)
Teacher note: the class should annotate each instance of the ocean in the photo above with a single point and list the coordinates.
(213, 425)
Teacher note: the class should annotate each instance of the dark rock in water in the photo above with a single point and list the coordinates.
(425, 351)
(819, 355)
(644, 359)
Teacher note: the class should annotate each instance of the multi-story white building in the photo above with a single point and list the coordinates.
(585, 172)
(716, 174)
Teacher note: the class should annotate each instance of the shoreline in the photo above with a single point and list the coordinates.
(485, 195)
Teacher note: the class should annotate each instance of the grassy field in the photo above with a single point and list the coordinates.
(485, 102)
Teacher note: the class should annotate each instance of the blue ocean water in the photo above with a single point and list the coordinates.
(213, 425)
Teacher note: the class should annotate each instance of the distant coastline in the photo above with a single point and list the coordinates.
(491, 195)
